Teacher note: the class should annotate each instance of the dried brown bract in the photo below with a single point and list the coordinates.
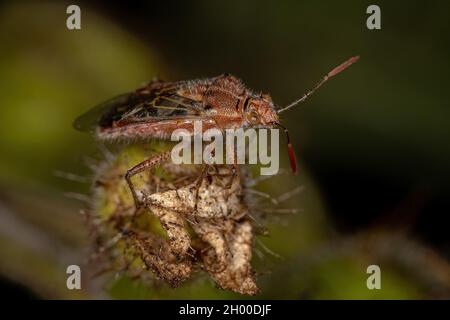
(191, 218)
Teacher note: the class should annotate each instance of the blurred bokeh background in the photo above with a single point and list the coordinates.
(373, 144)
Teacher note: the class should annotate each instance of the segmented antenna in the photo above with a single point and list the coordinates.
(330, 74)
(291, 152)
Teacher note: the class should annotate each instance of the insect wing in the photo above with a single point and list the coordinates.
(142, 106)
(92, 118)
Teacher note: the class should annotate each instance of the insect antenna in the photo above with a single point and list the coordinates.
(291, 152)
(330, 74)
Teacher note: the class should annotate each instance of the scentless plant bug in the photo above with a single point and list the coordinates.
(157, 109)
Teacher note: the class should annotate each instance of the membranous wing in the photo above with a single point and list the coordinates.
(90, 120)
(153, 103)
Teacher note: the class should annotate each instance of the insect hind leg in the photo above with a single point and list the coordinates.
(143, 166)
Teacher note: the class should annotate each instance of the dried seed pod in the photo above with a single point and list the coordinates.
(191, 217)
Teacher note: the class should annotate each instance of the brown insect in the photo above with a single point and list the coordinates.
(157, 109)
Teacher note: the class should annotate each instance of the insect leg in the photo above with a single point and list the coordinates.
(140, 167)
(199, 184)
(203, 174)
(235, 172)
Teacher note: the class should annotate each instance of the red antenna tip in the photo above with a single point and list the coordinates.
(292, 159)
(343, 66)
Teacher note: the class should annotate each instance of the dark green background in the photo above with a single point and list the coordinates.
(373, 143)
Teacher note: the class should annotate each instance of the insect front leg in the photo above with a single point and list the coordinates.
(143, 166)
